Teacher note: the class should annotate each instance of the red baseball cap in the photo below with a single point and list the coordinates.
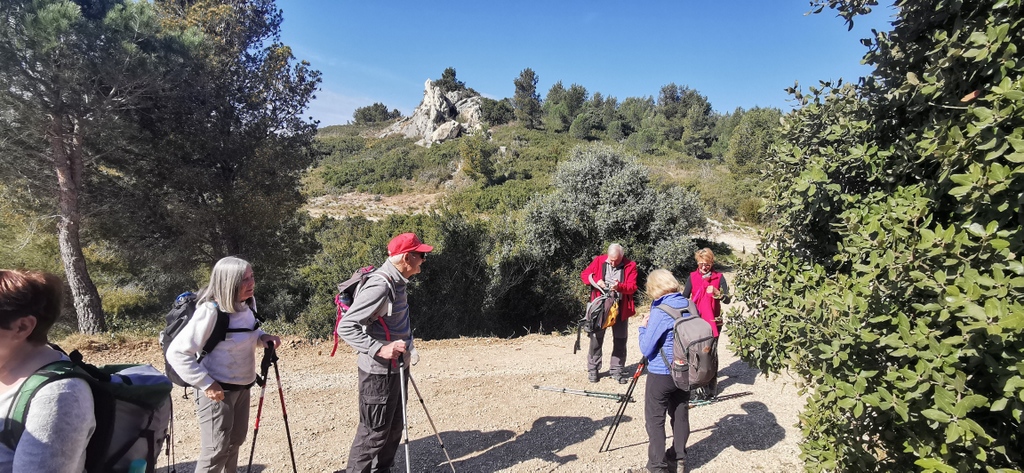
(405, 243)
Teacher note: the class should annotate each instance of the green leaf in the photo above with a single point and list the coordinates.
(976, 229)
(969, 403)
(934, 464)
(936, 415)
(960, 191)
(982, 113)
(988, 144)
(1013, 95)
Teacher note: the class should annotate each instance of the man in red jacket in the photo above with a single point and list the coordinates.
(611, 272)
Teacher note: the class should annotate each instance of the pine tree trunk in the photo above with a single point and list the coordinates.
(67, 160)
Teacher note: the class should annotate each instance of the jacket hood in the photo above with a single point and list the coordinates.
(674, 299)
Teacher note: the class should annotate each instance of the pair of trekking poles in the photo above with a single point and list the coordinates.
(405, 416)
(270, 358)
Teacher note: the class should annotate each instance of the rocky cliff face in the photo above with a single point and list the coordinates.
(441, 116)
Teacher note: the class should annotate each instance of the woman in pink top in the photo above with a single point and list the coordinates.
(708, 291)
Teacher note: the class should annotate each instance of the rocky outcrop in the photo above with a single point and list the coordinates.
(440, 117)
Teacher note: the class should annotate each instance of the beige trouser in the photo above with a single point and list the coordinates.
(222, 429)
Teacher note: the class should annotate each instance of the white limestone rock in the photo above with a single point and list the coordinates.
(439, 117)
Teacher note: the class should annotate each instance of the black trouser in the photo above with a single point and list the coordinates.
(661, 397)
(380, 423)
(620, 332)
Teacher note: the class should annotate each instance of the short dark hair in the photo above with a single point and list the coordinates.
(35, 293)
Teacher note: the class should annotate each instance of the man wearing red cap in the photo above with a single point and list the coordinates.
(377, 326)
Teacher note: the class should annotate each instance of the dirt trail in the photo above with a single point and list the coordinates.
(480, 393)
(481, 396)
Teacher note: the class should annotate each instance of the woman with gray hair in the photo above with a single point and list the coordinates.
(223, 377)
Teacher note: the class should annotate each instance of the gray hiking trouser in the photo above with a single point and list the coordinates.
(222, 429)
(620, 332)
(380, 423)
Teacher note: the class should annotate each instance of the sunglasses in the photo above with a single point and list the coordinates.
(420, 254)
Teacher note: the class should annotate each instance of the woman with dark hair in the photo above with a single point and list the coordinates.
(223, 377)
(30, 303)
(661, 395)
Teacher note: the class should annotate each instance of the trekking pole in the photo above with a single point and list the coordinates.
(622, 408)
(268, 356)
(405, 417)
(420, 396)
(597, 394)
(725, 397)
(284, 411)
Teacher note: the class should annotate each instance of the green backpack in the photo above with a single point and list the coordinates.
(132, 407)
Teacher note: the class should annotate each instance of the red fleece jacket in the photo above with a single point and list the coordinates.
(627, 287)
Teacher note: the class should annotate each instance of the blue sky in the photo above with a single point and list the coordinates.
(738, 53)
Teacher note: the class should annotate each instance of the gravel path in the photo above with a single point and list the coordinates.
(481, 396)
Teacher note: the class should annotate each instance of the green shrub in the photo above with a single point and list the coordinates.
(891, 280)
(602, 195)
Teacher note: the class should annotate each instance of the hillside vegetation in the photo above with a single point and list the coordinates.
(160, 197)
(140, 141)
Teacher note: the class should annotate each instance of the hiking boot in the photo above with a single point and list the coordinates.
(592, 376)
(623, 379)
(675, 465)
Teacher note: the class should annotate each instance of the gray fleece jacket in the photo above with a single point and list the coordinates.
(361, 328)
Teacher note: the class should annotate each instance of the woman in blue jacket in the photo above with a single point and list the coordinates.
(661, 395)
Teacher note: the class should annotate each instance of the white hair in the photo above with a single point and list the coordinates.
(225, 279)
(616, 249)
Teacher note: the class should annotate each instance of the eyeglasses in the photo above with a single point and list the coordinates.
(421, 254)
(701, 265)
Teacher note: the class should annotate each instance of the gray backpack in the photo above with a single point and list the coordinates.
(695, 357)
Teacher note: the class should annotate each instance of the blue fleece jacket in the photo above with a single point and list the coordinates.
(657, 335)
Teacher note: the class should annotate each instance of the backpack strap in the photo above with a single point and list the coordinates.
(17, 414)
(342, 308)
(676, 315)
(221, 331)
(391, 299)
(391, 288)
(387, 282)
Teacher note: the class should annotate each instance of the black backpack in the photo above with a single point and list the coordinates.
(182, 310)
(695, 357)
(347, 294)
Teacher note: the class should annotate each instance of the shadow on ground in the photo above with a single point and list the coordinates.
(189, 467)
(738, 372)
(757, 429)
(501, 449)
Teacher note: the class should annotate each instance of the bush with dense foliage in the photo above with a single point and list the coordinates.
(515, 271)
(892, 277)
(375, 113)
(601, 196)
